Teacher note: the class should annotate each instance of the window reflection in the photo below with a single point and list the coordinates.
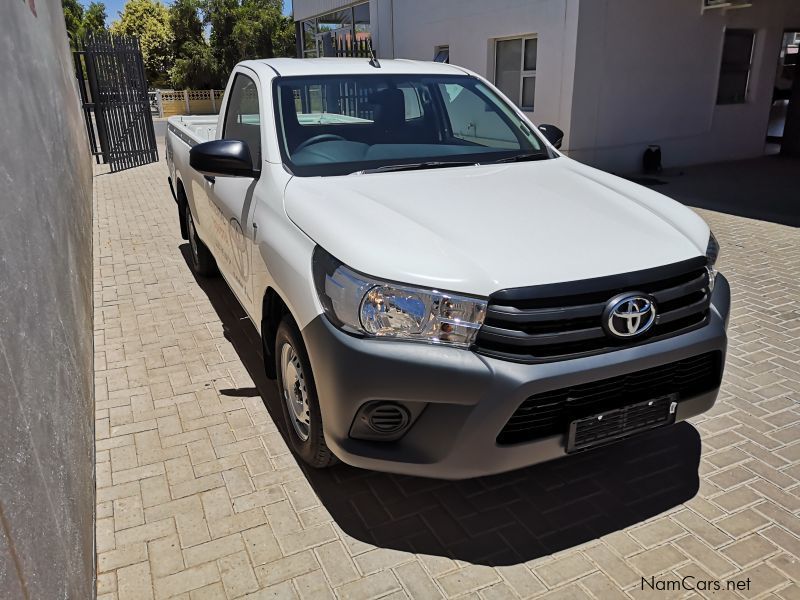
(323, 35)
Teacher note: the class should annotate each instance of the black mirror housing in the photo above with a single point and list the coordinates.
(222, 158)
(553, 134)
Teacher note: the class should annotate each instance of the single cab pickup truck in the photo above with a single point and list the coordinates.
(439, 290)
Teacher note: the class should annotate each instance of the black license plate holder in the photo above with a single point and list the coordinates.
(608, 426)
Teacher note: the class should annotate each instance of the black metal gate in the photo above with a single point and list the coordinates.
(113, 89)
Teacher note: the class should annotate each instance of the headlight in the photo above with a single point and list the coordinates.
(712, 253)
(371, 307)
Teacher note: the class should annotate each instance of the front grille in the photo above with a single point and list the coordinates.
(550, 413)
(561, 321)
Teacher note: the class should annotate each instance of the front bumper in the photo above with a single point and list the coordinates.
(468, 397)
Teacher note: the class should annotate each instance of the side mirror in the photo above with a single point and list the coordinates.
(553, 134)
(223, 158)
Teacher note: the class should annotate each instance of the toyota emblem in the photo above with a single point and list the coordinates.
(629, 315)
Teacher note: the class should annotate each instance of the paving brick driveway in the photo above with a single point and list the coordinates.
(198, 496)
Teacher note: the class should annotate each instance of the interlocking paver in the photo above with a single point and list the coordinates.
(134, 582)
(199, 497)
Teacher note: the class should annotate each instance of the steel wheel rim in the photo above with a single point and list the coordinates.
(295, 392)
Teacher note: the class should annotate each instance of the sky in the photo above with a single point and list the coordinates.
(113, 7)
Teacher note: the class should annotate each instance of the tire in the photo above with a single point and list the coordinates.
(202, 261)
(299, 400)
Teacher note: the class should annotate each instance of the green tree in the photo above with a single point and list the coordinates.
(80, 21)
(149, 21)
(186, 23)
(94, 18)
(196, 69)
(246, 29)
(221, 16)
(261, 30)
(73, 18)
(195, 66)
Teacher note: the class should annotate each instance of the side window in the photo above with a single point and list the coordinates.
(413, 106)
(242, 119)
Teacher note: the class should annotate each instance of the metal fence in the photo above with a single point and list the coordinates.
(116, 107)
(166, 103)
(347, 47)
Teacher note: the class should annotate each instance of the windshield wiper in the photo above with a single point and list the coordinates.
(420, 165)
(520, 158)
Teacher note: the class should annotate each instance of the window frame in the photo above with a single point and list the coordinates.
(523, 73)
(259, 155)
(442, 50)
(750, 64)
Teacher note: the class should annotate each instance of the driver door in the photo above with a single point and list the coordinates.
(232, 198)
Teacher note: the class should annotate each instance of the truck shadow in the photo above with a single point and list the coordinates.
(499, 520)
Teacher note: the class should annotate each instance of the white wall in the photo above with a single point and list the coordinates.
(647, 73)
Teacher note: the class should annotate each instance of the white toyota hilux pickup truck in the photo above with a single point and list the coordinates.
(440, 291)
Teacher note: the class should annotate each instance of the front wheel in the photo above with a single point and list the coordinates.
(299, 397)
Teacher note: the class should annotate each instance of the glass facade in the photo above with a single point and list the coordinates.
(322, 35)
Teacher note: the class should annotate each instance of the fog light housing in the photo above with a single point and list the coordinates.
(384, 420)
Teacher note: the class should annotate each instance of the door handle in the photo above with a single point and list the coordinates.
(209, 178)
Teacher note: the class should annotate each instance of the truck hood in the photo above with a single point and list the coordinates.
(479, 229)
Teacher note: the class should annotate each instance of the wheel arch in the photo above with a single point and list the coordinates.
(273, 309)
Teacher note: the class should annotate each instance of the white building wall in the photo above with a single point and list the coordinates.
(647, 73)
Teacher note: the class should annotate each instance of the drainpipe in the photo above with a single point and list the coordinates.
(391, 4)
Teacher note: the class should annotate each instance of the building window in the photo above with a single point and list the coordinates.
(515, 70)
(734, 75)
(327, 34)
(310, 39)
(441, 54)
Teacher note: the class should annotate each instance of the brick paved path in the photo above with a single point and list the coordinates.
(198, 496)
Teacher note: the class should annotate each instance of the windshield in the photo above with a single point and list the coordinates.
(335, 125)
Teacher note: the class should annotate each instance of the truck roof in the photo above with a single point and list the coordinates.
(351, 66)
